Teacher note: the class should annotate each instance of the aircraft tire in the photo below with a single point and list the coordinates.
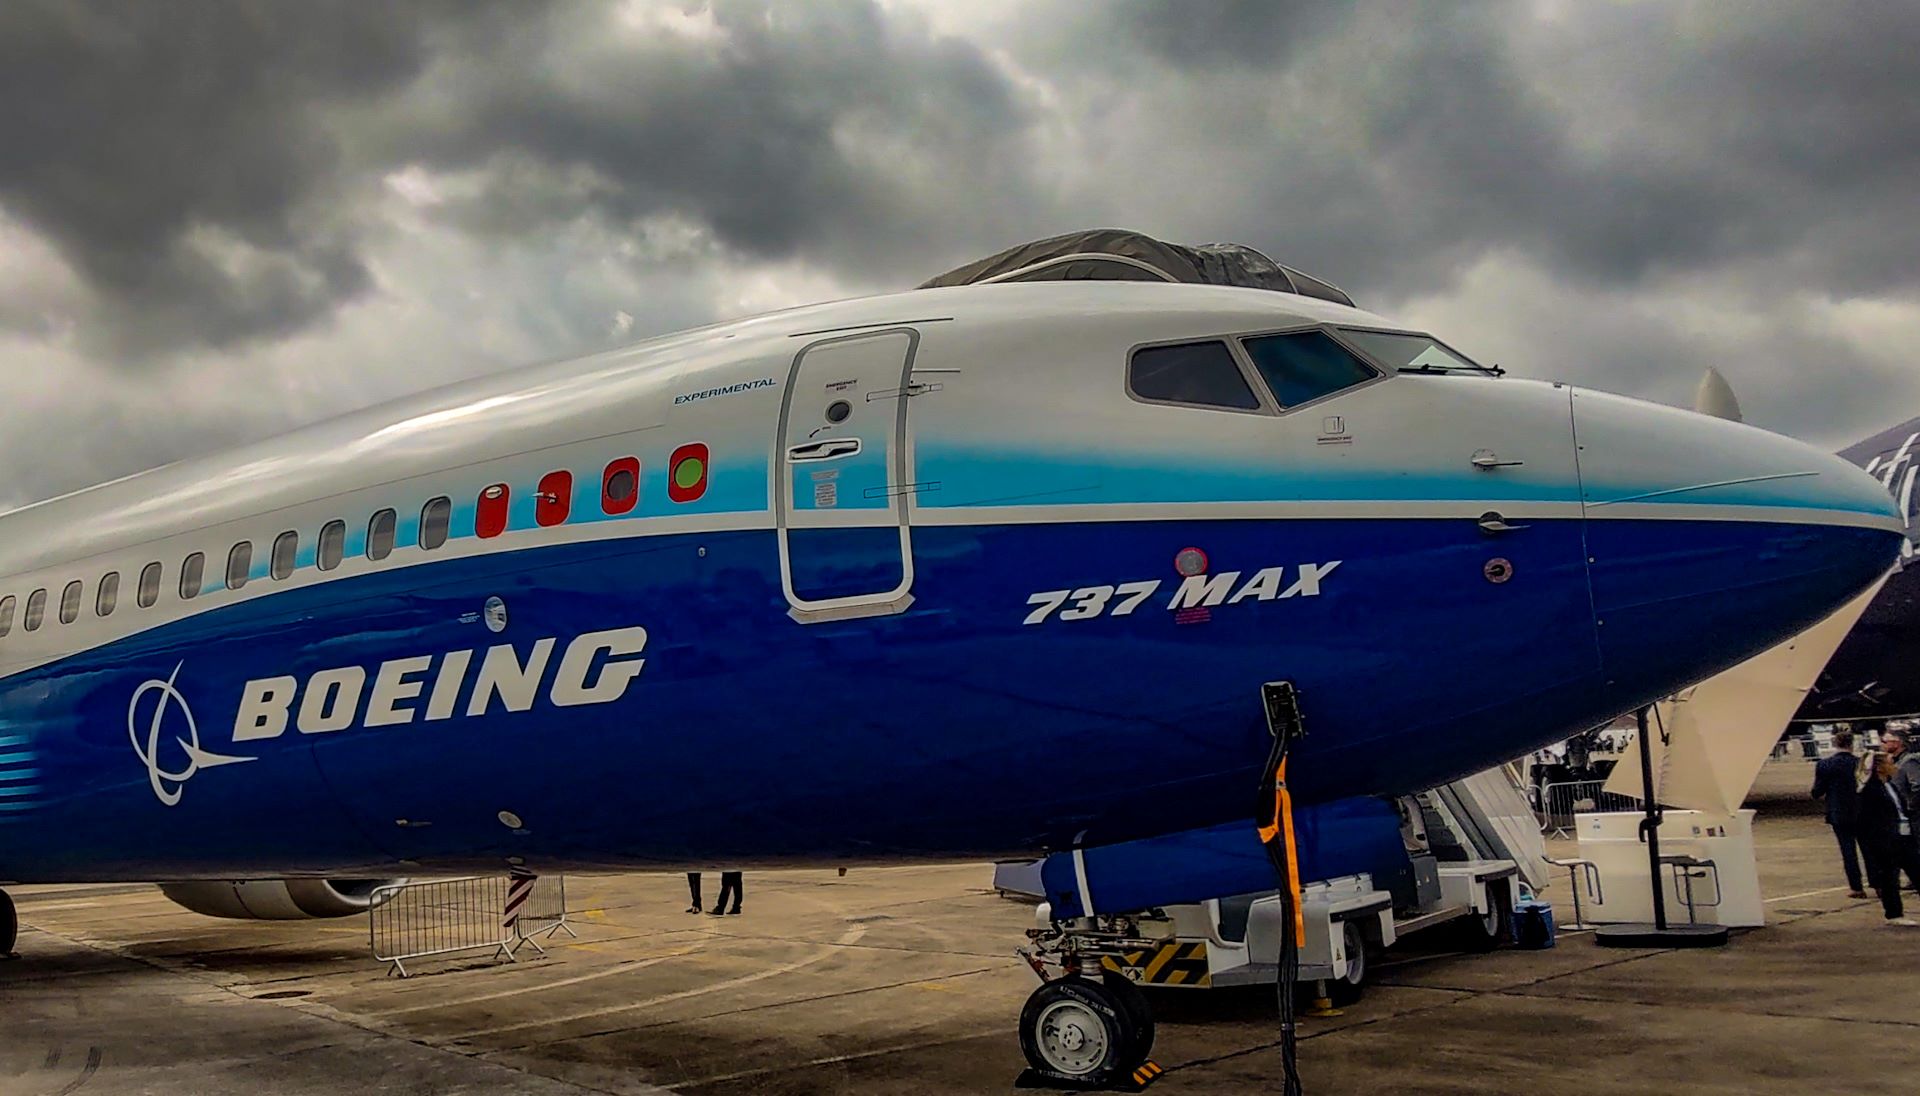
(1078, 1031)
(1139, 1011)
(1348, 990)
(9, 925)
(1483, 932)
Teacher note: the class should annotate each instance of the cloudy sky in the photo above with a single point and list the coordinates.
(221, 220)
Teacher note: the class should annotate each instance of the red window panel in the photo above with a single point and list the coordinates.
(555, 500)
(620, 486)
(490, 516)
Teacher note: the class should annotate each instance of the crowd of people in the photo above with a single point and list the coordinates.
(1871, 803)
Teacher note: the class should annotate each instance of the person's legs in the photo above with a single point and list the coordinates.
(729, 884)
(1884, 874)
(1909, 861)
(1849, 860)
(693, 891)
(1883, 871)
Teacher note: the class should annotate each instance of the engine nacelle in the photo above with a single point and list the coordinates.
(277, 899)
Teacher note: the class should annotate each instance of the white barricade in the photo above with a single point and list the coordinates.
(1559, 803)
(441, 917)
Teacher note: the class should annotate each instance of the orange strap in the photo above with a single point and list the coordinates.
(1283, 826)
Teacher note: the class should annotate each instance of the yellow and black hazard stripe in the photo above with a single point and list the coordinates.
(1174, 963)
(1148, 1073)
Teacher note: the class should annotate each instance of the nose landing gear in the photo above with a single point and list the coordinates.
(1085, 1028)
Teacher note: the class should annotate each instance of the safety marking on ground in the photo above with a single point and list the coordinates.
(1175, 963)
(851, 936)
(1805, 894)
(538, 987)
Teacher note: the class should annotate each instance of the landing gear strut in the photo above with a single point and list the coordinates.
(1085, 1027)
(9, 926)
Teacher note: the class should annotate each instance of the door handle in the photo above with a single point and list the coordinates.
(1493, 522)
(823, 450)
(917, 388)
(1487, 460)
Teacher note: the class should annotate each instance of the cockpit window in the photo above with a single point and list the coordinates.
(1408, 351)
(1202, 374)
(1305, 365)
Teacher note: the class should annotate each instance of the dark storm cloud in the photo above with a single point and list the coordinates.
(205, 167)
(1257, 34)
(819, 129)
(1611, 142)
(180, 156)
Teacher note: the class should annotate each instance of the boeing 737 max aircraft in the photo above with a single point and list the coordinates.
(951, 574)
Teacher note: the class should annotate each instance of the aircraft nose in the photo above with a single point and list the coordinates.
(1709, 541)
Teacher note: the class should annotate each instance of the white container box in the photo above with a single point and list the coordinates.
(1612, 842)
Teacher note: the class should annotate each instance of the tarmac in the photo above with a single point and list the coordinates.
(904, 980)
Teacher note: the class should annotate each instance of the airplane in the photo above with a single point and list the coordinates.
(961, 573)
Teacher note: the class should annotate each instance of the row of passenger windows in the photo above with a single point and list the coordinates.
(1297, 366)
(553, 504)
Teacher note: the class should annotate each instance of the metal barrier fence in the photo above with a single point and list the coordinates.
(412, 921)
(545, 909)
(1559, 803)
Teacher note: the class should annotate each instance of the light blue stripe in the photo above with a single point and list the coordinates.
(24, 789)
(20, 757)
(15, 775)
(969, 476)
(13, 740)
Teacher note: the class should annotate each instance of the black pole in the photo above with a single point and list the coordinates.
(1650, 826)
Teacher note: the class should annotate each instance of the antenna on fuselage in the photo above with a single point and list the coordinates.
(1714, 396)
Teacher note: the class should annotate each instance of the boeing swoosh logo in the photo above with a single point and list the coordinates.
(168, 784)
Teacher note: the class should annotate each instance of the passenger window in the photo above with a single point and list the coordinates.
(192, 570)
(380, 535)
(490, 514)
(109, 595)
(1201, 374)
(149, 591)
(286, 550)
(239, 563)
(70, 602)
(333, 545)
(555, 499)
(36, 610)
(435, 519)
(1306, 365)
(6, 614)
(620, 486)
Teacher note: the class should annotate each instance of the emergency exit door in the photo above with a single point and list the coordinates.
(841, 493)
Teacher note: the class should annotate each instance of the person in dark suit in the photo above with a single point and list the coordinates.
(1833, 781)
(1883, 828)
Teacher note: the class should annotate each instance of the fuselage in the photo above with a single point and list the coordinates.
(914, 577)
